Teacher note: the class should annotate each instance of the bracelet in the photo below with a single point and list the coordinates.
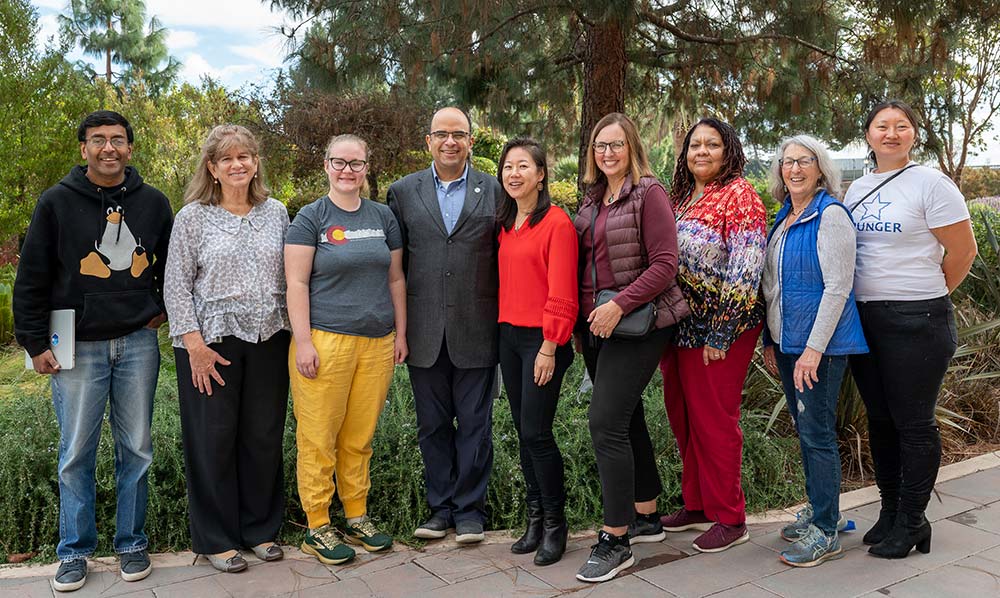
(546, 354)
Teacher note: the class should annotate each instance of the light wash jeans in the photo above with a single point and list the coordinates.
(123, 370)
(814, 412)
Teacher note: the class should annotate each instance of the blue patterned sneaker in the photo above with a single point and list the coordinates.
(803, 519)
(812, 549)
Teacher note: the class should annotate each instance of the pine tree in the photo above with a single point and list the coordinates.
(117, 32)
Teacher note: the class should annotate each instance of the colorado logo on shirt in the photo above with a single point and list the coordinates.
(871, 211)
(338, 235)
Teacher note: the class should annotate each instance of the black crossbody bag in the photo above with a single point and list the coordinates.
(634, 325)
(880, 185)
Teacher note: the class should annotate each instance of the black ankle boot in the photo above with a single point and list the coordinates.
(882, 527)
(910, 529)
(553, 543)
(533, 533)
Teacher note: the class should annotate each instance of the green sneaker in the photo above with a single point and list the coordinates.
(813, 548)
(365, 534)
(797, 529)
(325, 545)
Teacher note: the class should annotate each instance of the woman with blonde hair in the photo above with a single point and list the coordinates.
(224, 290)
(347, 305)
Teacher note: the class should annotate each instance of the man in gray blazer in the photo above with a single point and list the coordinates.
(447, 216)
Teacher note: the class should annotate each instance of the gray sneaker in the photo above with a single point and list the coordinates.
(643, 530)
(795, 530)
(70, 576)
(812, 549)
(607, 559)
(469, 532)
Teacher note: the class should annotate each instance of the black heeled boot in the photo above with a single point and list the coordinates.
(553, 544)
(911, 530)
(882, 527)
(533, 533)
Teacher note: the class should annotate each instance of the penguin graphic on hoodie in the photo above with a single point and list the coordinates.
(117, 250)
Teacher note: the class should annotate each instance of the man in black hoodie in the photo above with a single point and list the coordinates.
(97, 244)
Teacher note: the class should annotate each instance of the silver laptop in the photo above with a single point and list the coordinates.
(62, 339)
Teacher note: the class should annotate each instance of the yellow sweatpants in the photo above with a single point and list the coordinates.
(336, 413)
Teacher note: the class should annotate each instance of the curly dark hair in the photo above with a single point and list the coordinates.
(733, 159)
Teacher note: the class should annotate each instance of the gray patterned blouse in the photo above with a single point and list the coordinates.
(225, 273)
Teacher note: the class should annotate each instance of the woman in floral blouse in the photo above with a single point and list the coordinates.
(224, 289)
(721, 226)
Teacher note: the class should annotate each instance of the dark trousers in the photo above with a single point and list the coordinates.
(620, 370)
(457, 459)
(911, 344)
(233, 445)
(533, 409)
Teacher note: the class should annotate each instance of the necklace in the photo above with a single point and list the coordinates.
(518, 225)
(611, 198)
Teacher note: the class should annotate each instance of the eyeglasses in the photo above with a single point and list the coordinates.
(98, 142)
(787, 163)
(615, 146)
(340, 164)
(456, 135)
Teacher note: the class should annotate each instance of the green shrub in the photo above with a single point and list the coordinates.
(565, 169)
(488, 143)
(483, 164)
(29, 441)
(565, 195)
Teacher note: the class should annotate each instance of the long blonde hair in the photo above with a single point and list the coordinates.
(203, 188)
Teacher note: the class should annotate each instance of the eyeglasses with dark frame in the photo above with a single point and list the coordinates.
(787, 163)
(443, 135)
(340, 164)
(98, 142)
(615, 146)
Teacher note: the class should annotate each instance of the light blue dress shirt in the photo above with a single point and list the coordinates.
(451, 197)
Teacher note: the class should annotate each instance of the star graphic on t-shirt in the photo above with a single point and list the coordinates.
(873, 209)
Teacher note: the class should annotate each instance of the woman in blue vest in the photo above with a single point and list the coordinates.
(812, 326)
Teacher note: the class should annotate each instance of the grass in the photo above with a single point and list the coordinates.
(29, 442)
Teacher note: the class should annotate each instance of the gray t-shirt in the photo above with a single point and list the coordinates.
(349, 284)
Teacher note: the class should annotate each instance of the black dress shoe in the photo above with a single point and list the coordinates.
(533, 533)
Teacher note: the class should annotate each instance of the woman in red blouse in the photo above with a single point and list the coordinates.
(538, 306)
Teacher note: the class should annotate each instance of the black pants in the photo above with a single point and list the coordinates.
(620, 370)
(233, 445)
(533, 409)
(911, 343)
(457, 460)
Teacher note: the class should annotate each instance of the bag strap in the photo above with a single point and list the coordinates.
(880, 185)
(593, 250)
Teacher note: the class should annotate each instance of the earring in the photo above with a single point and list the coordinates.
(539, 186)
(216, 181)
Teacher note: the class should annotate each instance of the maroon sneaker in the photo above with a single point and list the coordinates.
(721, 537)
(683, 520)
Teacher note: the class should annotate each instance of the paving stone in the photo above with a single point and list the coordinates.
(514, 582)
(629, 586)
(992, 554)
(400, 581)
(705, 574)
(202, 587)
(682, 541)
(982, 487)
(365, 564)
(459, 565)
(971, 577)
(985, 518)
(31, 588)
(856, 573)
(747, 590)
(936, 509)
(271, 579)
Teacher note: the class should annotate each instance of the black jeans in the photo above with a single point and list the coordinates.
(233, 445)
(533, 409)
(911, 344)
(620, 370)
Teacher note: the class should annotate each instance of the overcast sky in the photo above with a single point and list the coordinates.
(237, 42)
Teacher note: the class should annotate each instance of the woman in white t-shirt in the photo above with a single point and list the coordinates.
(915, 246)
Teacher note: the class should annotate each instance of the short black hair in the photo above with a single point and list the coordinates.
(101, 118)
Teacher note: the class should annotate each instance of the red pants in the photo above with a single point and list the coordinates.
(703, 405)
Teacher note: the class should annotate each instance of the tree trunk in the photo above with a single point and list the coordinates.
(107, 55)
(604, 69)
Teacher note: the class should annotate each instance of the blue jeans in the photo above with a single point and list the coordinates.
(123, 370)
(814, 412)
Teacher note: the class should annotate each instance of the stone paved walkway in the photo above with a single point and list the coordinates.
(964, 562)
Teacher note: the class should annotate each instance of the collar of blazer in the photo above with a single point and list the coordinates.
(475, 190)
